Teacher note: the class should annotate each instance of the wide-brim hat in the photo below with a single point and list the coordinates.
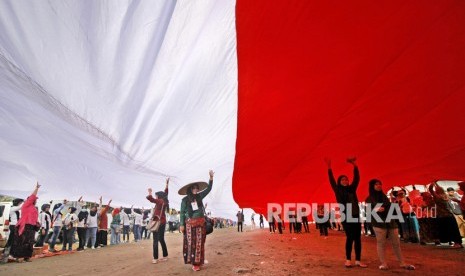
(202, 186)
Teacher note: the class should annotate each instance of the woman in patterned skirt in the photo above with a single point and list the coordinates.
(193, 221)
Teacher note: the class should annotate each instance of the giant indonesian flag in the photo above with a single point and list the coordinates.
(110, 97)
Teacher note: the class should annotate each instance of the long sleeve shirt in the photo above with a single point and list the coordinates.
(103, 223)
(160, 206)
(57, 216)
(137, 218)
(29, 214)
(347, 194)
(197, 213)
(14, 211)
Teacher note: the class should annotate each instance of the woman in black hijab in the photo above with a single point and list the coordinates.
(346, 195)
(385, 227)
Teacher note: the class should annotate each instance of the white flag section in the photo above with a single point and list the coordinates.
(111, 97)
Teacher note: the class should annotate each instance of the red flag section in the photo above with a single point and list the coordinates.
(380, 80)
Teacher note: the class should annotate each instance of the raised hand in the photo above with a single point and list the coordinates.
(352, 160)
(211, 173)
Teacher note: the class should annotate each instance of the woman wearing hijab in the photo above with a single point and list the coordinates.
(161, 204)
(346, 195)
(92, 225)
(385, 228)
(448, 228)
(26, 228)
(15, 215)
(193, 221)
(81, 226)
(57, 223)
(69, 227)
(115, 227)
(45, 220)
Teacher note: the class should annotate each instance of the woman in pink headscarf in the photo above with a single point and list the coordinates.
(26, 228)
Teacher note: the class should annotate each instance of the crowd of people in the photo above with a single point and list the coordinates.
(434, 216)
(29, 228)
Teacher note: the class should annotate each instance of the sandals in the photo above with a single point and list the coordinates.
(348, 264)
(362, 265)
(383, 267)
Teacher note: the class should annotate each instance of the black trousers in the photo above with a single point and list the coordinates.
(9, 243)
(41, 238)
(102, 237)
(159, 236)
(449, 230)
(353, 231)
(323, 228)
(305, 223)
(239, 224)
(280, 227)
(82, 237)
(272, 227)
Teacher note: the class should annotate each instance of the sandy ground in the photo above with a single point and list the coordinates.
(249, 253)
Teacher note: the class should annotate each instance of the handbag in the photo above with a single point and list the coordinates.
(208, 223)
(155, 221)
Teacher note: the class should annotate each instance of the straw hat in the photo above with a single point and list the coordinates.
(202, 186)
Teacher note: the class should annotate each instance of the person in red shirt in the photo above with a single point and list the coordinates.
(102, 235)
(159, 212)
(23, 242)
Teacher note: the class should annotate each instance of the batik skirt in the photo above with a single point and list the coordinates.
(194, 241)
